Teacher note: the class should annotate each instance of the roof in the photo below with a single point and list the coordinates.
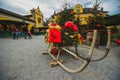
(27, 16)
(3, 11)
(90, 10)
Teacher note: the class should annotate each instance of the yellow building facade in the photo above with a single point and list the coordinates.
(79, 13)
(82, 14)
(37, 16)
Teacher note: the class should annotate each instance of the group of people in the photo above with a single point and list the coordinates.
(16, 32)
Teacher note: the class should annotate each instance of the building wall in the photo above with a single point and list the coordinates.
(83, 18)
(37, 16)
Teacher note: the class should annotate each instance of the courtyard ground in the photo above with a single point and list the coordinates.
(23, 60)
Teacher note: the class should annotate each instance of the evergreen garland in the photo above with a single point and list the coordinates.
(69, 37)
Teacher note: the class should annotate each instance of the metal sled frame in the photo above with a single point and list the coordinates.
(86, 59)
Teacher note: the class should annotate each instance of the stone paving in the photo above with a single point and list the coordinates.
(23, 60)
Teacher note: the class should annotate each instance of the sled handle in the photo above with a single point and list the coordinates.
(107, 47)
(106, 50)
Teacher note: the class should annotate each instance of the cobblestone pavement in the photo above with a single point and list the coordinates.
(23, 60)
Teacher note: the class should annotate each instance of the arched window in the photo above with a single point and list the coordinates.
(78, 11)
(39, 20)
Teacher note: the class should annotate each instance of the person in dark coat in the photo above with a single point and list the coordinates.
(25, 31)
(14, 31)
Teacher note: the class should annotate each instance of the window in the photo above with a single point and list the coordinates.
(78, 10)
(39, 20)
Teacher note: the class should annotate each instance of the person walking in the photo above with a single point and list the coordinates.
(17, 33)
(25, 31)
(29, 35)
(14, 31)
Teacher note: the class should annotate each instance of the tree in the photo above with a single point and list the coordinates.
(97, 22)
(65, 15)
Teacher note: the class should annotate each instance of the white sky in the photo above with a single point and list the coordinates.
(49, 6)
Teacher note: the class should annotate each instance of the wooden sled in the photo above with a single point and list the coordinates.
(85, 60)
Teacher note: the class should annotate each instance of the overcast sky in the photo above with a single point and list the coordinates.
(48, 7)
